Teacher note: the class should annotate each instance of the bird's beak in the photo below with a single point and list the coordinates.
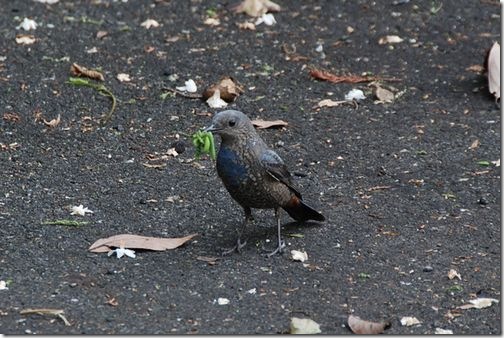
(211, 129)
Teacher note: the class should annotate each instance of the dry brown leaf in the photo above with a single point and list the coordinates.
(246, 25)
(476, 69)
(327, 76)
(330, 103)
(101, 34)
(261, 124)
(256, 8)
(454, 274)
(53, 123)
(138, 242)
(44, 311)
(209, 260)
(478, 303)
(25, 39)
(77, 70)
(475, 144)
(360, 326)
(494, 70)
(228, 87)
(384, 95)
(304, 326)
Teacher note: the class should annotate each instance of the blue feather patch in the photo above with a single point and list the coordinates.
(232, 171)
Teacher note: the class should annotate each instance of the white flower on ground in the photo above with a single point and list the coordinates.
(223, 301)
(189, 86)
(80, 210)
(121, 251)
(268, 19)
(355, 94)
(27, 24)
(3, 285)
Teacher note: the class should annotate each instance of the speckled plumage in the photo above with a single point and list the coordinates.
(254, 175)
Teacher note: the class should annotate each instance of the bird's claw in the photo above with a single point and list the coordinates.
(239, 245)
(280, 249)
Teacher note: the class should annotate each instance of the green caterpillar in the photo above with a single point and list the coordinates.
(203, 141)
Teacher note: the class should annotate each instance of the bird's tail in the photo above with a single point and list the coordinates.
(300, 211)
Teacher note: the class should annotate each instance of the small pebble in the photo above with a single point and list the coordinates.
(179, 146)
(428, 268)
(483, 201)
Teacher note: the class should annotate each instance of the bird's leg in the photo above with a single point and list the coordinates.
(239, 243)
(281, 243)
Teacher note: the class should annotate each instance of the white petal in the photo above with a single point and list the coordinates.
(120, 252)
(129, 253)
(222, 301)
(80, 210)
(215, 100)
(268, 19)
(355, 94)
(3, 285)
(27, 24)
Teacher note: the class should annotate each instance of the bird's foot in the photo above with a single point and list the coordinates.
(239, 245)
(280, 249)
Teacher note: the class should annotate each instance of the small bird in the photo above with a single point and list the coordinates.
(255, 176)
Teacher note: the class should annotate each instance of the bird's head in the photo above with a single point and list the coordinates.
(230, 124)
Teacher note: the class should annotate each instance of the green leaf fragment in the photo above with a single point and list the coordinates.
(65, 222)
(203, 142)
(484, 163)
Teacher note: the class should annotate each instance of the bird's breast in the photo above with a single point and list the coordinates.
(231, 168)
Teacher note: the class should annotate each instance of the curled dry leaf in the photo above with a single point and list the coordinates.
(212, 22)
(228, 87)
(494, 70)
(360, 326)
(333, 78)
(389, 39)
(304, 326)
(53, 123)
(101, 34)
(138, 242)
(330, 103)
(122, 77)
(150, 23)
(256, 8)
(261, 124)
(25, 39)
(384, 95)
(478, 303)
(409, 321)
(78, 70)
(246, 25)
(300, 256)
(454, 274)
(43, 311)
(475, 144)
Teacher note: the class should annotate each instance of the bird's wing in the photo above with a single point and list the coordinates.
(277, 169)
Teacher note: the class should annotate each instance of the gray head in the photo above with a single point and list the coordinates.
(230, 124)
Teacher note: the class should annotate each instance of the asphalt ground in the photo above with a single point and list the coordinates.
(411, 189)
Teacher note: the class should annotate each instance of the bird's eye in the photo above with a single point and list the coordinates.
(231, 123)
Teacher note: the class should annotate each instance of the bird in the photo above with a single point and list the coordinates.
(255, 176)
